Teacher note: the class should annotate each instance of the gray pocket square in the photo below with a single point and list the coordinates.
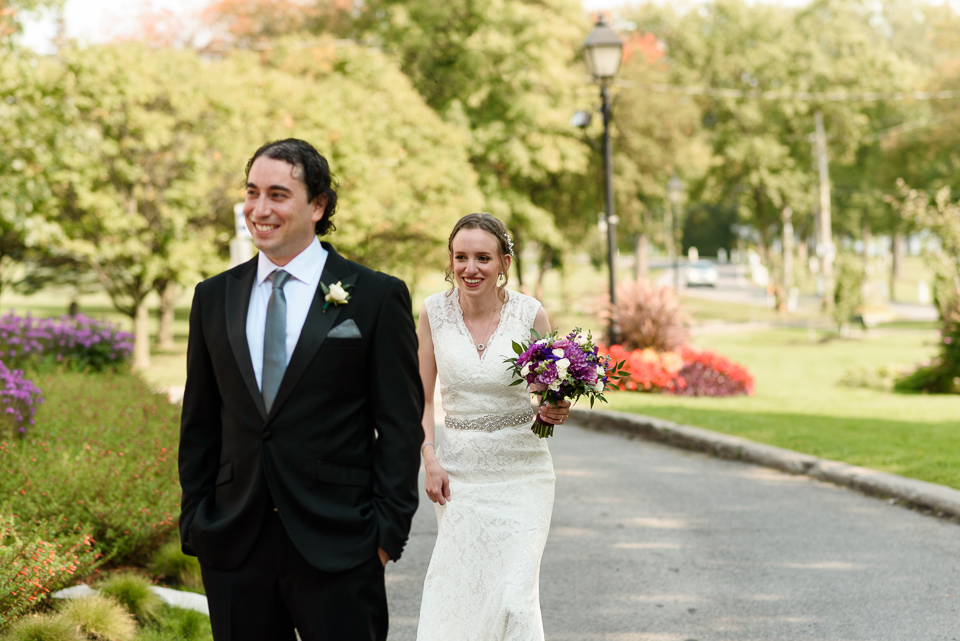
(346, 329)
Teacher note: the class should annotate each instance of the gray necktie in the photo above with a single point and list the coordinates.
(275, 339)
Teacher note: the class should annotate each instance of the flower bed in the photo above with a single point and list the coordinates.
(686, 372)
(78, 342)
(19, 399)
(95, 479)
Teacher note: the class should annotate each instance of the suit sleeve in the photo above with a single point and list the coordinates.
(397, 404)
(200, 432)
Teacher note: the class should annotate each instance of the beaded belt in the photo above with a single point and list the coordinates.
(490, 422)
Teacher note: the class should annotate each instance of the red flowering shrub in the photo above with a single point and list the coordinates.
(707, 373)
(35, 561)
(647, 369)
(687, 372)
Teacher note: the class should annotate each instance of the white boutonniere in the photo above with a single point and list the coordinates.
(335, 294)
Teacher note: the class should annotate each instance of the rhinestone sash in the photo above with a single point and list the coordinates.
(490, 422)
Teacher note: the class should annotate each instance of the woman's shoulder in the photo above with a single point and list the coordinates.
(439, 299)
(522, 300)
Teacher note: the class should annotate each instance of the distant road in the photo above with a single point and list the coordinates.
(650, 543)
(735, 286)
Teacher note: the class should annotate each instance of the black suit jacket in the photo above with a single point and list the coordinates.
(338, 454)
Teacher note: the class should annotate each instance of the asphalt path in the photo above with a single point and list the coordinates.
(653, 543)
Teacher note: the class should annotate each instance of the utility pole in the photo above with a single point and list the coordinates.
(825, 248)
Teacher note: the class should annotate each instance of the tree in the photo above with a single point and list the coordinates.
(404, 174)
(133, 172)
(509, 72)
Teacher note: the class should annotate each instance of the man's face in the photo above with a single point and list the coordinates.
(278, 215)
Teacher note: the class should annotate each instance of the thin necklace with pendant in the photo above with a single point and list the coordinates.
(481, 346)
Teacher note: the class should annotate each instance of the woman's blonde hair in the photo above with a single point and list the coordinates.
(494, 227)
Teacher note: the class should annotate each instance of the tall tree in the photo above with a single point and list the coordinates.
(508, 71)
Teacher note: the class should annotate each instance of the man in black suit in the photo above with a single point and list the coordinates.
(301, 421)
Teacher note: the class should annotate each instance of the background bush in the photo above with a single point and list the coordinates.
(649, 316)
(100, 465)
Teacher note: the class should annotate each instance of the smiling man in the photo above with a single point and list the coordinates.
(300, 432)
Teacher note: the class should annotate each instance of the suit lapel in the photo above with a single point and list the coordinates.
(238, 291)
(317, 325)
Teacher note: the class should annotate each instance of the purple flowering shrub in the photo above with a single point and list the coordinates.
(19, 398)
(78, 342)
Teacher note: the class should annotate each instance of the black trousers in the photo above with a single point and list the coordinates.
(276, 590)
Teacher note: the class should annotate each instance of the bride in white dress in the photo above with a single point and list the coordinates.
(490, 478)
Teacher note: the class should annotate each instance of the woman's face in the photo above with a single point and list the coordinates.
(476, 261)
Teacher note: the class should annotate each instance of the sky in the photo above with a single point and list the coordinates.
(96, 20)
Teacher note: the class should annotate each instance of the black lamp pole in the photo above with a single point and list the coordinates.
(609, 209)
(603, 52)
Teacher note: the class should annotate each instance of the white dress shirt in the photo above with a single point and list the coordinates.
(305, 270)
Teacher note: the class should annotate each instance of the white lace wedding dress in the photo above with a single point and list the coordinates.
(483, 583)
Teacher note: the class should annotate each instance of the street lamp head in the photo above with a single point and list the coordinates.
(602, 52)
(580, 119)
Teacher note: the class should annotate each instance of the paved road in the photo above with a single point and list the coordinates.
(651, 543)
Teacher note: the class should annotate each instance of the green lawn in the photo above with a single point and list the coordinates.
(798, 404)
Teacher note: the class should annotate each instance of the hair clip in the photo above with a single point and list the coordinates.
(509, 243)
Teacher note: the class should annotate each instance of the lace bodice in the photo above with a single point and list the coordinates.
(473, 384)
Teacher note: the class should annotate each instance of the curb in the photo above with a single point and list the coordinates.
(943, 500)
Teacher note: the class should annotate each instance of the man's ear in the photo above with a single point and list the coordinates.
(319, 206)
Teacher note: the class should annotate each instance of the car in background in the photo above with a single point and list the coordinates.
(701, 273)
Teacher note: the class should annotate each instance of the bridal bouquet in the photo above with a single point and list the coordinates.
(562, 368)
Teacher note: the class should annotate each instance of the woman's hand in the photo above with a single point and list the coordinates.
(437, 484)
(555, 413)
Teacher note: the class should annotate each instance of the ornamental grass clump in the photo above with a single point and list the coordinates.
(76, 342)
(649, 316)
(19, 398)
(43, 627)
(99, 618)
(134, 592)
(169, 563)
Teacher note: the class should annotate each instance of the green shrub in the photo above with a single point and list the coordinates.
(171, 564)
(39, 557)
(44, 627)
(884, 377)
(847, 295)
(133, 592)
(178, 624)
(101, 460)
(100, 617)
(942, 374)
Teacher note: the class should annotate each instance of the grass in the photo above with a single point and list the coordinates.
(798, 404)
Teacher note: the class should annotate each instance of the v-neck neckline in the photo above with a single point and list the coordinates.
(469, 334)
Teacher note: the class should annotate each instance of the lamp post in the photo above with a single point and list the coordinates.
(602, 52)
(675, 196)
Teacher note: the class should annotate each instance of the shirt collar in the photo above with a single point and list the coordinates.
(303, 267)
